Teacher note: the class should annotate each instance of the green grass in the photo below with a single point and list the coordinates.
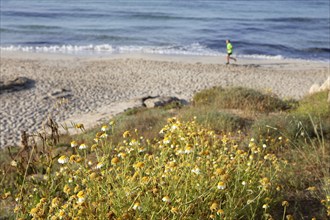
(233, 136)
(241, 98)
(310, 118)
(217, 120)
(315, 104)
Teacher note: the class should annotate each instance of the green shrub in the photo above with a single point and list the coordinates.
(190, 173)
(134, 111)
(204, 174)
(241, 98)
(269, 126)
(294, 127)
(147, 121)
(315, 104)
(214, 119)
(207, 96)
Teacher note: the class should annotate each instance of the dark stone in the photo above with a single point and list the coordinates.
(60, 94)
(160, 101)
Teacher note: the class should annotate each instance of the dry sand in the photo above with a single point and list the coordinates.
(100, 86)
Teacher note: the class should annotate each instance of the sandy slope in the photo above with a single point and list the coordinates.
(96, 84)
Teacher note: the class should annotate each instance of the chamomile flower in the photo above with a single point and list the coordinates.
(142, 149)
(126, 134)
(114, 160)
(94, 147)
(63, 159)
(221, 185)
(6, 195)
(66, 189)
(214, 206)
(265, 206)
(134, 143)
(105, 128)
(79, 126)
(92, 176)
(188, 150)
(61, 214)
(220, 212)
(80, 200)
(174, 210)
(55, 202)
(137, 206)
(138, 165)
(264, 182)
(174, 127)
(161, 131)
(13, 163)
(33, 212)
(83, 146)
(285, 203)
(219, 171)
(311, 188)
(74, 144)
(166, 199)
(196, 171)
(121, 155)
(289, 217)
(166, 140)
(104, 135)
(75, 158)
(99, 165)
(81, 197)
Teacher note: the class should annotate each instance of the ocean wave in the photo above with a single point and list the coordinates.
(28, 14)
(317, 50)
(165, 17)
(58, 48)
(194, 49)
(293, 19)
(262, 57)
(33, 27)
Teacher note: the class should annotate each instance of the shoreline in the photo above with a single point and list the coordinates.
(92, 83)
(219, 59)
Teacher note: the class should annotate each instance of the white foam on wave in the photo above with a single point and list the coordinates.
(262, 57)
(62, 48)
(194, 49)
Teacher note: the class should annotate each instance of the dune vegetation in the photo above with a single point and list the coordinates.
(233, 153)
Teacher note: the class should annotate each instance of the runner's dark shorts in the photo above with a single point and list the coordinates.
(229, 54)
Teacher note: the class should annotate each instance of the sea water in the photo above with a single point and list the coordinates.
(257, 28)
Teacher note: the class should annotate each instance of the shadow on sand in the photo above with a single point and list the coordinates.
(18, 84)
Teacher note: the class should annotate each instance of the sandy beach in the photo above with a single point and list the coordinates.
(96, 86)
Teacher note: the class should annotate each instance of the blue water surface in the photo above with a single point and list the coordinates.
(257, 28)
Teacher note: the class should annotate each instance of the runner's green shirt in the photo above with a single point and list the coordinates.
(229, 48)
